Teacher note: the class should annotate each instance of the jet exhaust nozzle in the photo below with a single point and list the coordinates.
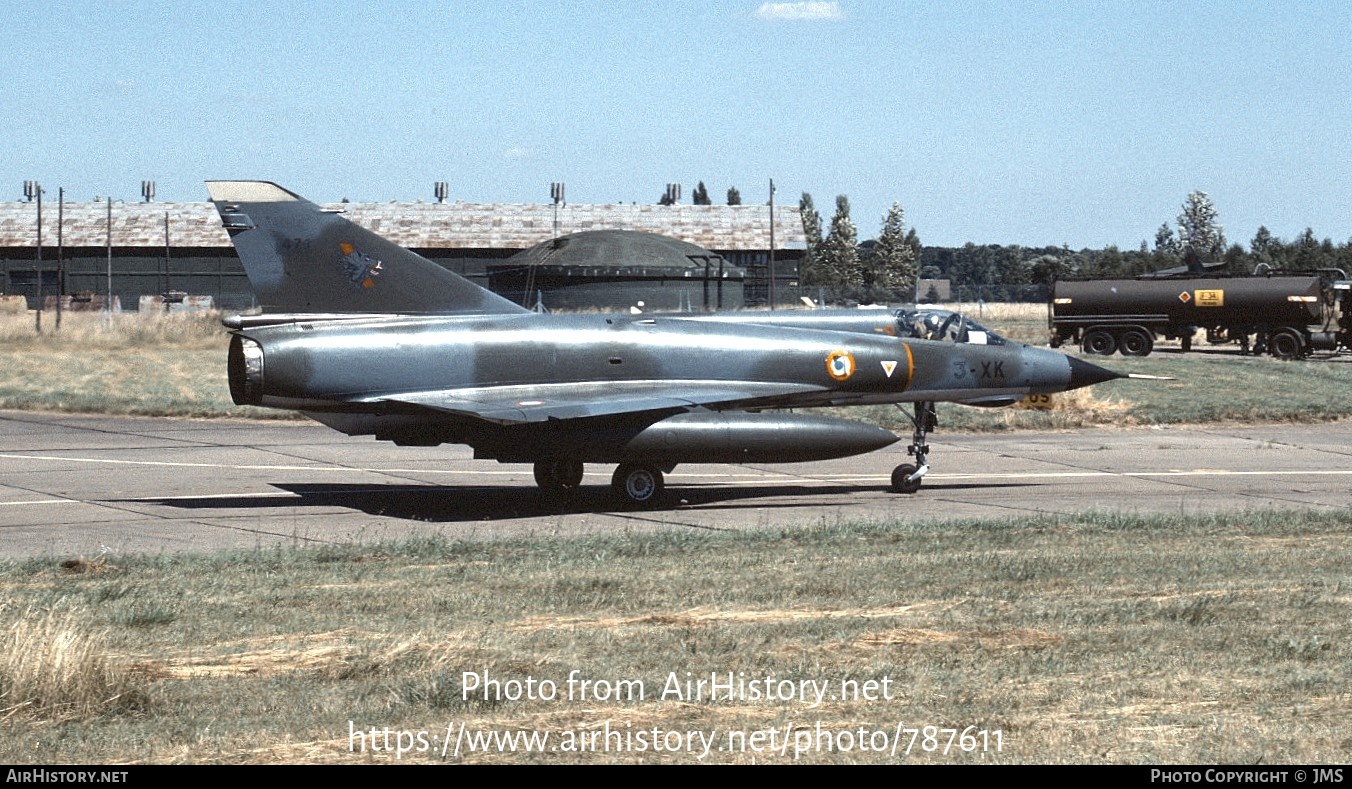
(245, 368)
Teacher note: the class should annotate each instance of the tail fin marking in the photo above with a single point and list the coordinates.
(301, 258)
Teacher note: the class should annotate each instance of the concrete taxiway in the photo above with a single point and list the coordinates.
(74, 485)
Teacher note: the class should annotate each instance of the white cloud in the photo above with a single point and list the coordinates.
(812, 9)
(516, 153)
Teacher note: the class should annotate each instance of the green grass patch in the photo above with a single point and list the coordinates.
(1091, 638)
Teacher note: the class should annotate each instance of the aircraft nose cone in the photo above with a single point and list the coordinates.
(1083, 373)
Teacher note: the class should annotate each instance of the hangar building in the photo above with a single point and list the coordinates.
(711, 256)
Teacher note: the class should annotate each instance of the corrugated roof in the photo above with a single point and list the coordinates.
(619, 248)
(417, 225)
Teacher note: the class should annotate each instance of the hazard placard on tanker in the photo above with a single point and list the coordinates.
(1209, 298)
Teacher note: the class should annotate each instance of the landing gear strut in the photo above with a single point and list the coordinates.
(906, 477)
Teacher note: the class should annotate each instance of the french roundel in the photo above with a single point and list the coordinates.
(840, 365)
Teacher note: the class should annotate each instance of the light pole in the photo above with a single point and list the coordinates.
(556, 193)
(36, 191)
(60, 252)
(772, 243)
(109, 305)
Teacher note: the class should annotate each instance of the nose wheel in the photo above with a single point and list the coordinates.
(906, 477)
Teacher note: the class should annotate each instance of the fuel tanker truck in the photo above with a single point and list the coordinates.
(1286, 315)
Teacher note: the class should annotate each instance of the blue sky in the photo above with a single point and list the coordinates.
(1080, 123)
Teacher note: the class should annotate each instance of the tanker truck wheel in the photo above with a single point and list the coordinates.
(1136, 343)
(1099, 341)
(1286, 344)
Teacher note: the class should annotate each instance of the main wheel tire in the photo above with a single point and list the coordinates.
(637, 484)
(1286, 344)
(1135, 342)
(901, 481)
(1100, 342)
(558, 474)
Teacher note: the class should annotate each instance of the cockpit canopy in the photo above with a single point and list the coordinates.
(935, 324)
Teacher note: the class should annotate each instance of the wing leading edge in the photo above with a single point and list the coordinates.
(509, 405)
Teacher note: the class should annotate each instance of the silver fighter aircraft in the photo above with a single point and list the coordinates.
(370, 338)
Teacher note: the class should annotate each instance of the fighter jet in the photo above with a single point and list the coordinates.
(370, 338)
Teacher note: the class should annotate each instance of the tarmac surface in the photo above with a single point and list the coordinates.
(81, 486)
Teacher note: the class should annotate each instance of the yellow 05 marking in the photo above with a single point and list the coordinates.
(1037, 402)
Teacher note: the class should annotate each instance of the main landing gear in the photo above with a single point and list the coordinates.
(641, 484)
(635, 484)
(558, 475)
(906, 477)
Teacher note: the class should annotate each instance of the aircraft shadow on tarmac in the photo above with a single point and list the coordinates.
(454, 504)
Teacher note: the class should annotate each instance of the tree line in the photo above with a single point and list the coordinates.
(842, 269)
(701, 196)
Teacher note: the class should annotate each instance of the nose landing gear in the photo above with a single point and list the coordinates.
(906, 477)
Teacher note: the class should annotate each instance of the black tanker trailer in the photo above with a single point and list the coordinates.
(1287, 315)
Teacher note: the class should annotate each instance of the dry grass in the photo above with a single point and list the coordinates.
(704, 616)
(1076, 408)
(152, 364)
(1017, 321)
(1021, 638)
(332, 654)
(91, 330)
(87, 331)
(1085, 638)
(994, 313)
(54, 666)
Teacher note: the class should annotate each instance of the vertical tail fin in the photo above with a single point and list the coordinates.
(302, 258)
